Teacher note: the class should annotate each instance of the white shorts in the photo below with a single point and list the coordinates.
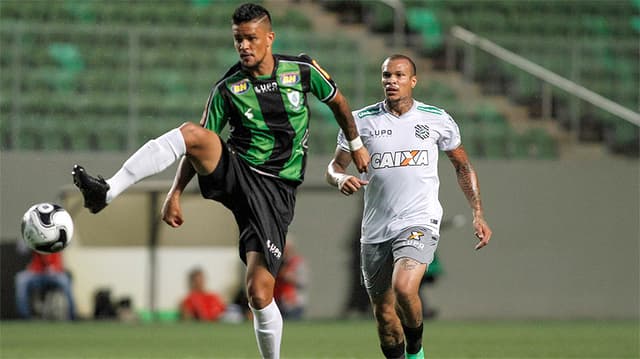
(377, 259)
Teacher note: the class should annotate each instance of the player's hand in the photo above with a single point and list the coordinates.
(350, 185)
(172, 211)
(361, 159)
(482, 232)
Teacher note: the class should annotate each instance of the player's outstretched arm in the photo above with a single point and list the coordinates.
(171, 210)
(342, 113)
(468, 181)
(337, 174)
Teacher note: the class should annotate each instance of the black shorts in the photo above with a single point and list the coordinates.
(262, 205)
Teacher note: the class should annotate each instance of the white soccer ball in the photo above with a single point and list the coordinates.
(47, 228)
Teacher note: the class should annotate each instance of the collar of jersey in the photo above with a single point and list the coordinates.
(386, 109)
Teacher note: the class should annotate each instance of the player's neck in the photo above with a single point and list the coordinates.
(400, 106)
(265, 68)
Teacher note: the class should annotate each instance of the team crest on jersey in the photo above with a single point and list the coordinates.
(240, 87)
(295, 99)
(422, 131)
(290, 78)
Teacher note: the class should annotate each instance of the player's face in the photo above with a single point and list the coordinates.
(253, 40)
(398, 79)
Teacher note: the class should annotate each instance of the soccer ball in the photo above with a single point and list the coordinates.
(47, 228)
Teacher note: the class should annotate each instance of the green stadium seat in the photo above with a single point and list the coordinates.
(427, 24)
(535, 143)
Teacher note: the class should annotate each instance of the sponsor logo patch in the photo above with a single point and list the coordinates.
(273, 249)
(240, 87)
(400, 159)
(266, 87)
(290, 78)
(383, 133)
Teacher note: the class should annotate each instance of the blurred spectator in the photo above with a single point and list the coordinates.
(290, 291)
(201, 304)
(44, 274)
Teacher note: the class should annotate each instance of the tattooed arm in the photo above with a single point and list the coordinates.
(468, 181)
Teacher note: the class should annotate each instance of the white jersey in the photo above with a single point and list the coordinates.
(403, 173)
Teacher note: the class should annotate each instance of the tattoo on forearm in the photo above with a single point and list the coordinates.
(469, 184)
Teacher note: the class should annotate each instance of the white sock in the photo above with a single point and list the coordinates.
(267, 323)
(152, 158)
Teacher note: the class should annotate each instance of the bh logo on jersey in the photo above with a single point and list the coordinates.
(400, 159)
(240, 87)
(415, 239)
(273, 249)
(289, 78)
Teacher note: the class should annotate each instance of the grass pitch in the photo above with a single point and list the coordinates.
(318, 339)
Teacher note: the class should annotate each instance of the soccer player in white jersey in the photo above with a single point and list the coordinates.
(402, 213)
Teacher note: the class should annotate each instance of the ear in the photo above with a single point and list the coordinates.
(414, 81)
(271, 36)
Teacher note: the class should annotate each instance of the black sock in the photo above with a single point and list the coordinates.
(393, 352)
(414, 338)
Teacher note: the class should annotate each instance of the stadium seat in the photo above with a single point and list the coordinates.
(427, 24)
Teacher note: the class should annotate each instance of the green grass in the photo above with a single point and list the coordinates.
(318, 339)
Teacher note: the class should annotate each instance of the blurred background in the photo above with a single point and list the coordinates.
(546, 94)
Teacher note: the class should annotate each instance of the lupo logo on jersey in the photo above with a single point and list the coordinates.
(273, 249)
(415, 238)
(400, 159)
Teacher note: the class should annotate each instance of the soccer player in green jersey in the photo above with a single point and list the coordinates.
(263, 98)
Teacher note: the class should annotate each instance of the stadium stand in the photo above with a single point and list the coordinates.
(106, 77)
(593, 43)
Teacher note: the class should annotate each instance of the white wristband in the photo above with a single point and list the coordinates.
(341, 179)
(355, 144)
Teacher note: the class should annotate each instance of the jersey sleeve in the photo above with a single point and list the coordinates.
(216, 115)
(450, 135)
(322, 85)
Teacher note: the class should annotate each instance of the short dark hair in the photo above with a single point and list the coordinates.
(249, 12)
(404, 57)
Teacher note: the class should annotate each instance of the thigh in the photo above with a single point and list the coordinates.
(204, 147)
(413, 251)
(377, 268)
(59, 279)
(263, 215)
(258, 276)
(417, 243)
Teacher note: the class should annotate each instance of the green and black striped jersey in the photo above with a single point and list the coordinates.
(269, 116)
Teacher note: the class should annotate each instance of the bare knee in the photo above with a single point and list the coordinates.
(193, 134)
(259, 294)
(405, 292)
(260, 282)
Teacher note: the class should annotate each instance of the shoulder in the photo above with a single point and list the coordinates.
(434, 112)
(368, 111)
(430, 109)
(302, 60)
(232, 75)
